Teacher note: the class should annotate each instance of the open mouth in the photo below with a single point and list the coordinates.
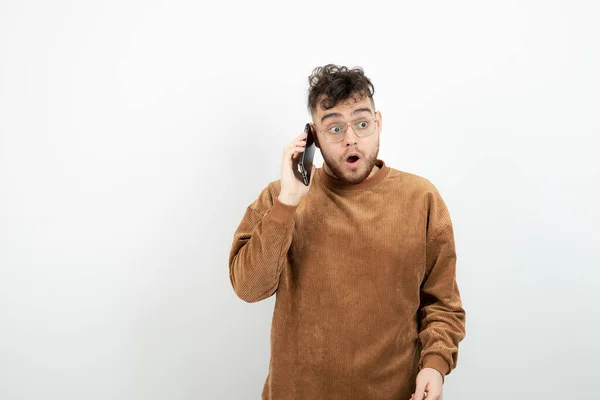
(353, 160)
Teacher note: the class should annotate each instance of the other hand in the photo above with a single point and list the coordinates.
(429, 380)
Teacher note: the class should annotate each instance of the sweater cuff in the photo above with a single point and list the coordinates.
(438, 363)
(281, 212)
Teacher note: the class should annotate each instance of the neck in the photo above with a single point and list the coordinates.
(330, 172)
(376, 175)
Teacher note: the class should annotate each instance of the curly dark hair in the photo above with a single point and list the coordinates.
(334, 84)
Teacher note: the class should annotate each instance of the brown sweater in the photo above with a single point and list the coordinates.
(365, 285)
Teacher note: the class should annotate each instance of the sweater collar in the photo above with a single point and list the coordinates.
(334, 183)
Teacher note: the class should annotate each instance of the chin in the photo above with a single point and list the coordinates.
(354, 177)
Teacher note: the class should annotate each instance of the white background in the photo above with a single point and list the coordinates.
(133, 135)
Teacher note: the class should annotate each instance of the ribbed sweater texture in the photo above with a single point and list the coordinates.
(364, 277)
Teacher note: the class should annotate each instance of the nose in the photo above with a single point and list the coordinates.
(351, 137)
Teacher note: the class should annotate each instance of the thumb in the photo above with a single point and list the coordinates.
(420, 392)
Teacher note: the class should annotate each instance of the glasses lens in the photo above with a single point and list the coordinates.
(364, 127)
(335, 131)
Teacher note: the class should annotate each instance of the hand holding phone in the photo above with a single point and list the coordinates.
(297, 168)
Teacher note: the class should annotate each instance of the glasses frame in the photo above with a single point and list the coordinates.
(350, 124)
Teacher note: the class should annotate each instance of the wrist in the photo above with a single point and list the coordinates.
(438, 363)
(289, 199)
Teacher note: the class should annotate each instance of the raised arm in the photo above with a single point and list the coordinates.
(264, 236)
(259, 247)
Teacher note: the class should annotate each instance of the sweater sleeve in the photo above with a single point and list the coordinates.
(441, 315)
(260, 244)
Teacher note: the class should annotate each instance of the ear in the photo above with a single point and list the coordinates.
(315, 136)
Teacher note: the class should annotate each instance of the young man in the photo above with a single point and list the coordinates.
(362, 261)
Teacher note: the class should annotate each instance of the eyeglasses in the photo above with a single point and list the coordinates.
(336, 131)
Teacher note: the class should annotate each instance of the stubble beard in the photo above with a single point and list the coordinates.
(353, 176)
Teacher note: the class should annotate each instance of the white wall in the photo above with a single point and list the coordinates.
(134, 134)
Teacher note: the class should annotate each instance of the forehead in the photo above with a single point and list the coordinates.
(345, 108)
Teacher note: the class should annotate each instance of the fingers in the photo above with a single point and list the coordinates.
(427, 396)
(298, 141)
(301, 136)
(299, 149)
(419, 393)
(293, 149)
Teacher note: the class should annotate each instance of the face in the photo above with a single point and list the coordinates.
(336, 154)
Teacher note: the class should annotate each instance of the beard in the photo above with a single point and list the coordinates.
(345, 174)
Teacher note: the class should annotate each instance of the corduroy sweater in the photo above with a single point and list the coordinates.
(365, 282)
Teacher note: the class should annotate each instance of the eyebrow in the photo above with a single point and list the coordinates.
(357, 111)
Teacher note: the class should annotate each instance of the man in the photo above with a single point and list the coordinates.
(362, 261)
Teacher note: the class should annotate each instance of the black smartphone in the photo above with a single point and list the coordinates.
(306, 157)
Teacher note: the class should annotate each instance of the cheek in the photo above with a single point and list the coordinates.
(331, 152)
(373, 144)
